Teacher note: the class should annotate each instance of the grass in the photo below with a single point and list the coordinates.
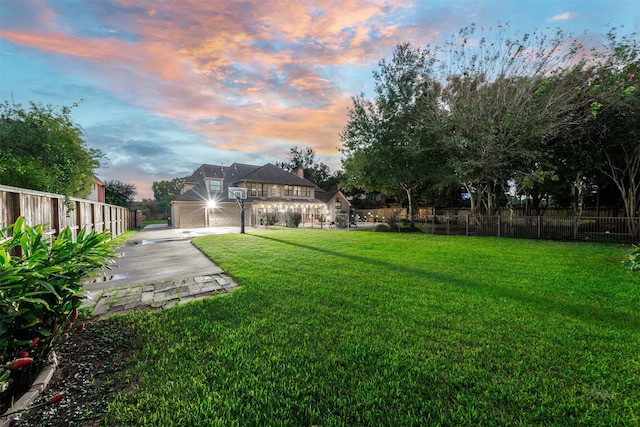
(361, 328)
(122, 238)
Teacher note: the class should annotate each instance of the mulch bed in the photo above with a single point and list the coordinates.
(90, 370)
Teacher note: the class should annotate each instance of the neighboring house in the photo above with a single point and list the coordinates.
(97, 191)
(204, 200)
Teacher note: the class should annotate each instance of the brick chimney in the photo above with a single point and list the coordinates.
(299, 172)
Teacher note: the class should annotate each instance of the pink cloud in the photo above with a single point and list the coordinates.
(255, 69)
(62, 44)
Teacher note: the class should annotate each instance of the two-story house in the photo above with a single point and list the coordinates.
(206, 199)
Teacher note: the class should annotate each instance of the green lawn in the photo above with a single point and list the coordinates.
(339, 328)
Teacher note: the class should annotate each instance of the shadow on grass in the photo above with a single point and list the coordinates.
(582, 312)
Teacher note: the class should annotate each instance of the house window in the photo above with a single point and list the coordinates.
(255, 189)
(338, 204)
(275, 191)
(215, 185)
(295, 190)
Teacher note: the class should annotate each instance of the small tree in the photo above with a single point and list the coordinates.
(150, 209)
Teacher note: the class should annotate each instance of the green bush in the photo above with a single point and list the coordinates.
(40, 293)
(393, 223)
(382, 227)
(269, 218)
(292, 219)
(633, 260)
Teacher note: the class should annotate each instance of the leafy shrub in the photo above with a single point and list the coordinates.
(292, 219)
(633, 261)
(393, 223)
(40, 293)
(269, 218)
(382, 227)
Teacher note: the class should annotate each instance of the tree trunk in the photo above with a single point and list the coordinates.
(629, 186)
(472, 199)
(630, 207)
(578, 196)
(412, 222)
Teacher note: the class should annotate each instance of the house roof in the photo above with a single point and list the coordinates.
(228, 173)
(235, 174)
(272, 174)
(199, 193)
(326, 196)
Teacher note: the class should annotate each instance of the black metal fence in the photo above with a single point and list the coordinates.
(597, 229)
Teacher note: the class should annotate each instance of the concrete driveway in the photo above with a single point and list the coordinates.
(160, 262)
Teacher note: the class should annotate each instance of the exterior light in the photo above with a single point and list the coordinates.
(211, 204)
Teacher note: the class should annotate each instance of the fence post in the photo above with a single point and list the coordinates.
(78, 216)
(56, 224)
(433, 224)
(499, 226)
(466, 226)
(15, 209)
(447, 219)
(510, 226)
(539, 226)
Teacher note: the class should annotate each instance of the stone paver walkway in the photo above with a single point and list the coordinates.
(157, 268)
(163, 294)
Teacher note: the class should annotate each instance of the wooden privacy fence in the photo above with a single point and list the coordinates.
(598, 229)
(50, 210)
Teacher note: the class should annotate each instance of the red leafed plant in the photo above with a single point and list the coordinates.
(20, 363)
(41, 286)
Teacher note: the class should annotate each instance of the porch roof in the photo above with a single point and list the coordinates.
(285, 201)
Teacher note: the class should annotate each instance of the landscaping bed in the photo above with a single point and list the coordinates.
(91, 370)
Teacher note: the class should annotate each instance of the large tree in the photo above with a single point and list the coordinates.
(389, 142)
(505, 99)
(317, 172)
(42, 149)
(615, 126)
(165, 191)
(574, 164)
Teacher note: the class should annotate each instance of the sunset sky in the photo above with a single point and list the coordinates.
(164, 86)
